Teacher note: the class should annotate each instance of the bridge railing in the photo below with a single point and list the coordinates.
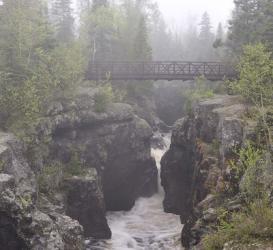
(159, 70)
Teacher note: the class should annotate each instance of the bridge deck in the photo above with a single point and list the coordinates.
(159, 70)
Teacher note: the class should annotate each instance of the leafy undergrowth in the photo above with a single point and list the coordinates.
(253, 224)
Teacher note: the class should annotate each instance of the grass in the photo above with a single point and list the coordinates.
(254, 223)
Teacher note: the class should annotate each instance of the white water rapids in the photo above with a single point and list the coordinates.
(146, 226)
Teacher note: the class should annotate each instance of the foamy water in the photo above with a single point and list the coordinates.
(146, 226)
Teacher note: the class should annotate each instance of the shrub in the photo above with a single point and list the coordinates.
(248, 164)
(256, 75)
(256, 81)
(103, 98)
(256, 222)
(75, 166)
(139, 88)
(50, 178)
(200, 91)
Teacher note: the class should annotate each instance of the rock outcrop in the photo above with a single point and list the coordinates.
(115, 144)
(84, 202)
(22, 224)
(80, 164)
(194, 165)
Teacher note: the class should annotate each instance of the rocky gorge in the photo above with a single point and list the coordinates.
(90, 176)
(196, 173)
(81, 164)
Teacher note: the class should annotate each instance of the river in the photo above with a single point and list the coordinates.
(146, 226)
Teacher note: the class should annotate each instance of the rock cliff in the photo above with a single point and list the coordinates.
(195, 165)
(79, 165)
(22, 224)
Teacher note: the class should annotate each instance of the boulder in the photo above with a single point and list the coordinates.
(84, 202)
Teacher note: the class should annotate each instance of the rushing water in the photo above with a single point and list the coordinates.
(146, 226)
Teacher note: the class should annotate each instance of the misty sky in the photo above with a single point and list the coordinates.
(177, 13)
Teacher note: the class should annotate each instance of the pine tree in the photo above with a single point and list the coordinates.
(24, 28)
(25, 41)
(142, 49)
(220, 32)
(267, 12)
(206, 38)
(205, 34)
(99, 3)
(252, 22)
(219, 42)
(63, 20)
(84, 5)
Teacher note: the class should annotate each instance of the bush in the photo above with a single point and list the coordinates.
(139, 88)
(50, 178)
(256, 82)
(200, 91)
(103, 98)
(256, 75)
(255, 223)
(247, 169)
(75, 166)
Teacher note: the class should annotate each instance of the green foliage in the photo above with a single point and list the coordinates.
(67, 64)
(200, 91)
(251, 23)
(50, 177)
(256, 75)
(255, 222)
(2, 165)
(214, 147)
(75, 166)
(100, 32)
(136, 89)
(26, 201)
(264, 129)
(141, 49)
(103, 98)
(63, 20)
(249, 162)
(256, 82)
(33, 69)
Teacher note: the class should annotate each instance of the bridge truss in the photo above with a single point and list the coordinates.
(159, 70)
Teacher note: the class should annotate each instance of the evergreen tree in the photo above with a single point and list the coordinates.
(25, 40)
(267, 12)
(63, 20)
(24, 28)
(99, 31)
(142, 49)
(220, 32)
(205, 34)
(84, 5)
(206, 38)
(252, 22)
(219, 42)
(99, 3)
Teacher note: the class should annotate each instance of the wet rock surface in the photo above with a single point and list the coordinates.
(112, 149)
(84, 202)
(194, 165)
(22, 224)
(116, 143)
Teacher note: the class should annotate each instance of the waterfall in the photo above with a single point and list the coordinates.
(146, 226)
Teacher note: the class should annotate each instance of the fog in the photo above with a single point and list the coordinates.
(178, 13)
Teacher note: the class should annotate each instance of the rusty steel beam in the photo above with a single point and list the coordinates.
(160, 70)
